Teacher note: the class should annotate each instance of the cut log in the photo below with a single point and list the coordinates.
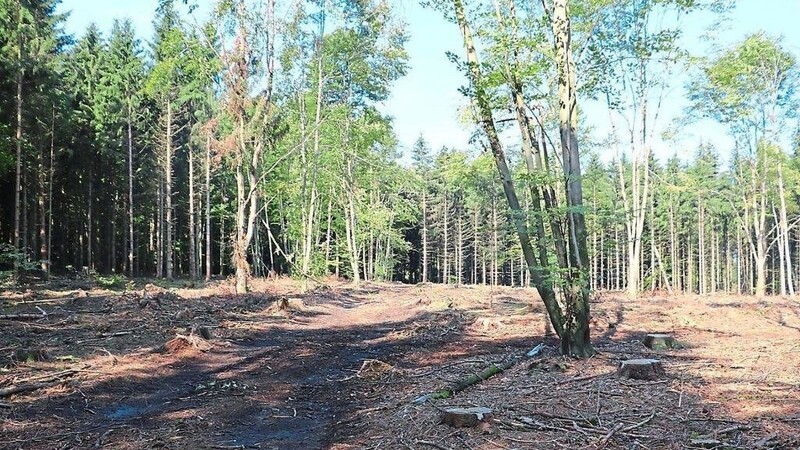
(22, 388)
(22, 316)
(466, 417)
(707, 443)
(476, 378)
(641, 369)
(657, 341)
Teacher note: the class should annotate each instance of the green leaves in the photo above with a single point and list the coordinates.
(748, 85)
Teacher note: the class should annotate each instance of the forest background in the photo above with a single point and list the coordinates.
(329, 138)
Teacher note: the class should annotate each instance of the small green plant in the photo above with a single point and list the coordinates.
(113, 281)
(10, 255)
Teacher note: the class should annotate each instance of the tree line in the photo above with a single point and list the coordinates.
(253, 142)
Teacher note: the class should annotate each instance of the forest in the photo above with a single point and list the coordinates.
(235, 170)
(260, 139)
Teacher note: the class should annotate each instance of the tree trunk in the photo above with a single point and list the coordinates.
(424, 234)
(42, 213)
(446, 275)
(350, 220)
(328, 232)
(654, 278)
(784, 225)
(572, 330)
(168, 194)
(18, 144)
(208, 207)
(701, 248)
(192, 218)
(50, 194)
(495, 242)
(459, 248)
(90, 223)
(475, 234)
(575, 337)
(160, 230)
(131, 240)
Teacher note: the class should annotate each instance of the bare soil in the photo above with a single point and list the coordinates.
(339, 366)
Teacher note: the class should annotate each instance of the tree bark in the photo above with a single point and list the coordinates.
(424, 233)
(50, 194)
(168, 194)
(192, 218)
(208, 206)
(784, 225)
(575, 337)
(90, 223)
(18, 143)
(131, 240)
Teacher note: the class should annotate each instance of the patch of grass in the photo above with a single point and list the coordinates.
(113, 281)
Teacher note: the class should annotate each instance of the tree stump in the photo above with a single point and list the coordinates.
(657, 341)
(641, 369)
(466, 417)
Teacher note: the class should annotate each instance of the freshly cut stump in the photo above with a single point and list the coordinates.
(466, 417)
(657, 341)
(641, 369)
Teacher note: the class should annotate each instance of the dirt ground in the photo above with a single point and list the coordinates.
(338, 368)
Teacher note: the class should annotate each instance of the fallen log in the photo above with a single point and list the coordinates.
(476, 378)
(22, 316)
(21, 388)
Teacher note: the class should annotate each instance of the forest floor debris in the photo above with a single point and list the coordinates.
(339, 368)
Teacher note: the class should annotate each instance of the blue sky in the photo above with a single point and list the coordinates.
(427, 100)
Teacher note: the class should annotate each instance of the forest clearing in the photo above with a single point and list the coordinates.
(399, 224)
(339, 367)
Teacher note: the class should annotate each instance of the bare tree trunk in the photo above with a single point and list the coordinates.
(239, 256)
(18, 143)
(50, 194)
(222, 239)
(654, 277)
(160, 231)
(42, 213)
(446, 275)
(25, 216)
(425, 235)
(90, 223)
(208, 206)
(701, 248)
(495, 242)
(475, 234)
(459, 249)
(328, 233)
(131, 240)
(675, 273)
(192, 218)
(575, 339)
(350, 219)
(617, 265)
(168, 194)
(784, 225)
(759, 224)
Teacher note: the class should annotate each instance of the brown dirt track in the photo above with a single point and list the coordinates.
(341, 366)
